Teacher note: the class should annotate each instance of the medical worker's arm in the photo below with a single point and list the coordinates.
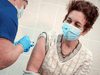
(9, 53)
(37, 56)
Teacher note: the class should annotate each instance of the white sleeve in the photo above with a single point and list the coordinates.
(85, 68)
(29, 73)
(43, 34)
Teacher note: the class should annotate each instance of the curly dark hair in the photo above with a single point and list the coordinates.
(88, 9)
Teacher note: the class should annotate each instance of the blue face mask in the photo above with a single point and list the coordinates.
(70, 32)
(19, 11)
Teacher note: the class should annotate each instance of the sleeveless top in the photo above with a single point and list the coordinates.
(77, 63)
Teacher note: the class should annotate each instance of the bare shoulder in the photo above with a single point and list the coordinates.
(41, 41)
(40, 46)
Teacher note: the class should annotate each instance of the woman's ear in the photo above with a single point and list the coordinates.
(86, 31)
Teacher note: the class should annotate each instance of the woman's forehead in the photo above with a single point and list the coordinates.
(77, 16)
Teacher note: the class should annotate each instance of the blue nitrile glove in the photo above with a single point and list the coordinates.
(25, 42)
(26, 50)
(16, 43)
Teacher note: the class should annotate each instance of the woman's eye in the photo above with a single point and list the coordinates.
(77, 25)
(69, 21)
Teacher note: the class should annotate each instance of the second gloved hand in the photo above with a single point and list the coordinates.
(25, 42)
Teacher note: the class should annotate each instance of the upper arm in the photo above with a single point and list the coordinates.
(5, 49)
(6, 37)
(37, 56)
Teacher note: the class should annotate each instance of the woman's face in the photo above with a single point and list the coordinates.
(77, 19)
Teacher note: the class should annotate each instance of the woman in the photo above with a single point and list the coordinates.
(63, 54)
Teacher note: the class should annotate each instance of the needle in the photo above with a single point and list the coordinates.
(32, 42)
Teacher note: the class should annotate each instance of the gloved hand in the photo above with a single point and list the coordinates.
(25, 42)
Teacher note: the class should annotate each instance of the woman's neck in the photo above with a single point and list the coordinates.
(70, 44)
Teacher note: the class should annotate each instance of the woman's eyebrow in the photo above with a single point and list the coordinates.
(69, 18)
(76, 21)
(79, 22)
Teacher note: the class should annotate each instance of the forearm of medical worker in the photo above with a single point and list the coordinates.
(10, 53)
